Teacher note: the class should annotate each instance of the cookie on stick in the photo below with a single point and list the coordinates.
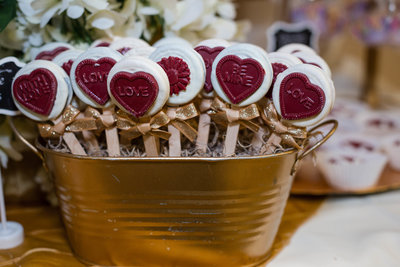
(186, 74)
(89, 74)
(50, 50)
(280, 62)
(140, 87)
(241, 75)
(303, 95)
(40, 92)
(209, 50)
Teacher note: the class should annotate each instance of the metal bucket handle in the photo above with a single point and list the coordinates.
(306, 152)
(26, 142)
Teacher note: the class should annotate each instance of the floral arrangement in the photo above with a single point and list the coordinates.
(26, 24)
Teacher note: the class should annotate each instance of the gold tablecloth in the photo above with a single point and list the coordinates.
(46, 244)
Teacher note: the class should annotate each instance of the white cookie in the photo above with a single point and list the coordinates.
(313, 59)
(50, 50)
(199, 48)
(171, 40)
(283, 58)
(144, 51)
(185, 70)
(104, 42)
(295, 47)
(61, 94)
(125, 44)
(244, 52)
(135, 64)
(97, 53)
(316, 78)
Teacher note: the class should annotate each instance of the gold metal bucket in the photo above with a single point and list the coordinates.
(173, 211)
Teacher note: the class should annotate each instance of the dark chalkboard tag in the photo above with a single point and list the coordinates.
(9, 67)
(282, 33)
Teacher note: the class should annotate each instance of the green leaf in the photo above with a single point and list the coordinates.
(8, 9)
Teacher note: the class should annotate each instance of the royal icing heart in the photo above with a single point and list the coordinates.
(51, 54)
(36, 91)
(239, 78)
(7, 74)
(91, 76)
(67, 66)
(276, 68)
(136, 92)
(208, 54)
(299, 98)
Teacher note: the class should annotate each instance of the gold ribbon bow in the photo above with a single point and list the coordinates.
(132, 129)
(103, 121)
(224, 115)
(287, 133)
(178, 117)
(67, 122)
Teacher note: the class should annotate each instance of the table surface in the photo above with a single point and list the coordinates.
(343, 231)
(46, 245)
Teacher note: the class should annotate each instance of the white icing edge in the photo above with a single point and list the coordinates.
(171, 41)
(214, 43)
(245, 51)
(92, 53)
(48, 47)
(134, 64)
(61, 94)
(316, 76)
(196, 67)
(314, 58)
(290, 48)
(127, 42)
(144, 51)
(284, 58)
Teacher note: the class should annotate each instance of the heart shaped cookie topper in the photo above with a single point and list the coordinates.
(51, 54)
(136, 92)
(208, 54)
(36, 91)
(299, 98)
(276, 68)
(91, 76)
(239, 78)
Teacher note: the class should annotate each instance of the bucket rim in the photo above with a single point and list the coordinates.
(183, 159)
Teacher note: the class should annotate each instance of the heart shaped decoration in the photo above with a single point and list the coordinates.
(51, 54)
(67, 66)
(208, 54)
(300, 99)
(8, 70)
(36, 91)
(239, 78)
(276, 68)
(136, 92)
(91, 76)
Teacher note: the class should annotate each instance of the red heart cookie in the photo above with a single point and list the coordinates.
(136, 92)
(208, 54)
(67, 66)
(239, 78)
(300, 99)
(276, 68)
(36, 91)
(50, 55)
(91, 76)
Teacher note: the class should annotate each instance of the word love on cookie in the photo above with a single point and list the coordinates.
(299, 98)
(136, 92)
(303, 95)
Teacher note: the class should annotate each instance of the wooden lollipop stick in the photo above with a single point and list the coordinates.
(90, 139)
(273, 142)
(258, 139)
(72, 142)
(203, 133)
(231, 138)
(111, 136)
(151, 145)
(174, 142)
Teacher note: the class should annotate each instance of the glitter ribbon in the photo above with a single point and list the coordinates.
(178, 118)
(68, 122)
(132, 128)
(224, 115)
(102, 121)
(287, 133)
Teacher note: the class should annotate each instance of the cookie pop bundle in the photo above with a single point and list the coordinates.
(239, 89)
(175, 127)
